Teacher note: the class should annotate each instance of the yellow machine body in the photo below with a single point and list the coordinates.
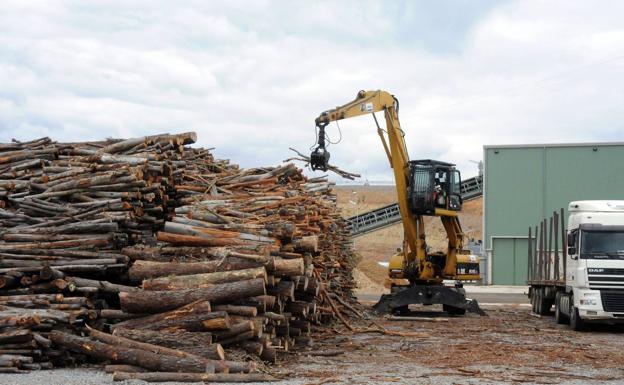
(414, 275)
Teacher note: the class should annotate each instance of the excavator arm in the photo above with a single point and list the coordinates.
(415, 264)
(369, 102)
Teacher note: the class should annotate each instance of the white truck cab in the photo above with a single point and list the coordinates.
(594, 279)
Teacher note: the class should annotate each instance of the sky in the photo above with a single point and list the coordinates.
(250, 77)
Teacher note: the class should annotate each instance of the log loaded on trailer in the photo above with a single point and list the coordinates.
(579, 270)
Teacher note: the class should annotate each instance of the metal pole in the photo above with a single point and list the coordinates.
(530, 255)
(540, 267)
(535, 262)
(550, 237)
(556, 232)
(564, 244)
(544, 247)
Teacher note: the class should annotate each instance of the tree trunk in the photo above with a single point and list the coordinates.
(190, 240)
(237, 328)
(152, 301)
(287, 267)
(247, 311)
(123, 368)
(203, 280)
(193, 377)
(197, 307)
(130, 356)
(195, 343)
(128, 343)
(141, 270)
(218, 320)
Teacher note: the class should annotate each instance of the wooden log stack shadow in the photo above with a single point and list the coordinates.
(155, 257)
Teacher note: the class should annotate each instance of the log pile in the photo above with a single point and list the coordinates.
(156, 257)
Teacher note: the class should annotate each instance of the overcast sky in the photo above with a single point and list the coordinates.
(250, 76)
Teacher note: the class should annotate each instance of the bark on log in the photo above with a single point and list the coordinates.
(247, 311)
(203, 280)
(287, 267)
(124, 368)
(118, 314)
(307, 244)
(131, 356)
(195, 343)
(128, 343)
(237, 328)
(190, 240)
(193, 377)
(141, 270)
(151, 302)
(197, 307)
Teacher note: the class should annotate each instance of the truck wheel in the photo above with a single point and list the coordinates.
(539, 302)
(576, 323)
(546, 303)
(559, 316)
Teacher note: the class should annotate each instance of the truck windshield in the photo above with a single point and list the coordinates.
(602, 245)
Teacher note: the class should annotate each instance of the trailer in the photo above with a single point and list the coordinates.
(579, 269)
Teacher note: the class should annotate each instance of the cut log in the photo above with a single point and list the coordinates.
(197, 307)
(307, 244)
(195, 343)
(203, 280)
(284, 289)
(141, 270)
(131, 356)
(190, 240)
(118, 314)
(247, 311)
(193, 377)
(151, 301)
(269, 354)
(253, 347)
(198, 322)
(237, 328)
(288, 267)
(124, 368)
(128, 343)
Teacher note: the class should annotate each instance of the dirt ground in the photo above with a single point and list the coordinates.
(380, 245)
(508, 346)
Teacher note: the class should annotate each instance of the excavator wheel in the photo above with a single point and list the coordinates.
(401, 310)
(453, 311)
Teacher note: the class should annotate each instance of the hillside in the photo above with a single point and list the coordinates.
(380, 245)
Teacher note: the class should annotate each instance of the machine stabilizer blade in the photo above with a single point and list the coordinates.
(429, 295)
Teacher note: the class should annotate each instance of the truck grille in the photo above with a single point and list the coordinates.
(605, 278)
(612, 300)
(605, 271)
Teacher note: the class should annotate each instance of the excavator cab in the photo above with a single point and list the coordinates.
(433, 184)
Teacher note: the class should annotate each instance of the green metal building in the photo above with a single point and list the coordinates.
(525, 183)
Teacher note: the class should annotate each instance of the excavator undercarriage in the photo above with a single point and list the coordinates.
(452, 299)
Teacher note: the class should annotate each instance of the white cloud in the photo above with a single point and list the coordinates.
(250, 77)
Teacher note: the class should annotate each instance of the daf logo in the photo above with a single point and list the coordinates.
(595, 270)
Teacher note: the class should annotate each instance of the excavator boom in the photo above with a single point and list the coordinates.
(424, 188)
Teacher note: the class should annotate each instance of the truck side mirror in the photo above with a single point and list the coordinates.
(571, 239)
(572, 252)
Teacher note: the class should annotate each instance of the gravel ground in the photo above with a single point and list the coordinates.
(508, 346)
(92, 376)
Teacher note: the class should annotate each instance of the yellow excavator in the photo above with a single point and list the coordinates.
(424, 188)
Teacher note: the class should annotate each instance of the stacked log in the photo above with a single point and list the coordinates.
(186, 260)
